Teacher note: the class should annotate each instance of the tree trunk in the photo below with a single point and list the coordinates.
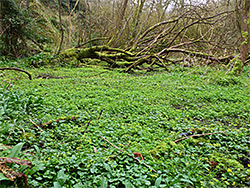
(61, 27)
(245, 30)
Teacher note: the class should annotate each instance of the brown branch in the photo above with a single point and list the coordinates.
(17, 69)
(127, 154)
(155, 26)
(35, 124)
(198, 135)
(138, 62)
(123, 10)
(138, 34)
(152, 42)
(197, 54)
(87, 127)
(124, 27)
(163, 64)
(201, 20)
(36, 43)
(100, 115)
(90, 41)
(68, 118)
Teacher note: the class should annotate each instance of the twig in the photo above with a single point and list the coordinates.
(86, 127)
(100, 115)
(124, 27)
(40, 123)
(111, 143)
(90, 41)
(35, 124)
(198, 135)
(68, 118)
(127, 154)
(161, 62)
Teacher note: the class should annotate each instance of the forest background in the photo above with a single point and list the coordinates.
(134, 32)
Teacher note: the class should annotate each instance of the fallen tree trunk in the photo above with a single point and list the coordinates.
(133, 61)
(185, 35)
(105, 53)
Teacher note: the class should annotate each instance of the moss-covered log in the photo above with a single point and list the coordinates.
(105, 53)
(133, 61)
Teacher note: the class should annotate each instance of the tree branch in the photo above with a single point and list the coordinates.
(17, 69)
(198, 135)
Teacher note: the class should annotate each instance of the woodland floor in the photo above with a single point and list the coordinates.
(63, 114)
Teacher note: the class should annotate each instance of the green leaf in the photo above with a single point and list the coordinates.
(104, 183)
(158, 181)
(37, 167)
(78, 185)
(37, 151)
(107, 167)
(188, 181)
(147, 182)
(57, 185)
(61, 177)
(128, 184)
(16, 150)
(2, 177)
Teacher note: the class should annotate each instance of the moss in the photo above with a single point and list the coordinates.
(27, 136)
(69, 53)
(164, 147)
(197, 141)
(245, 42)
(86, 53)
(237, 68)
(48, 123)
(224, 162)
(244, 34)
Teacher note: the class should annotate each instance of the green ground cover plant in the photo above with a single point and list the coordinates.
(60, 116)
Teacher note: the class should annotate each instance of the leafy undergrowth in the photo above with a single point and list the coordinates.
(61, 115)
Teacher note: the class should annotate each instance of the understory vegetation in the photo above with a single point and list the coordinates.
(123, 94)
(191, 126)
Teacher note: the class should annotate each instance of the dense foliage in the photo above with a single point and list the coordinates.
(172, 113)
(140, 113)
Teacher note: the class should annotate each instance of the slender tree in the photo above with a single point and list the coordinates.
(60, 20)
(245, 31)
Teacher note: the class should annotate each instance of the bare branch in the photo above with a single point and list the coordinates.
(16, 69)
(198, 135)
